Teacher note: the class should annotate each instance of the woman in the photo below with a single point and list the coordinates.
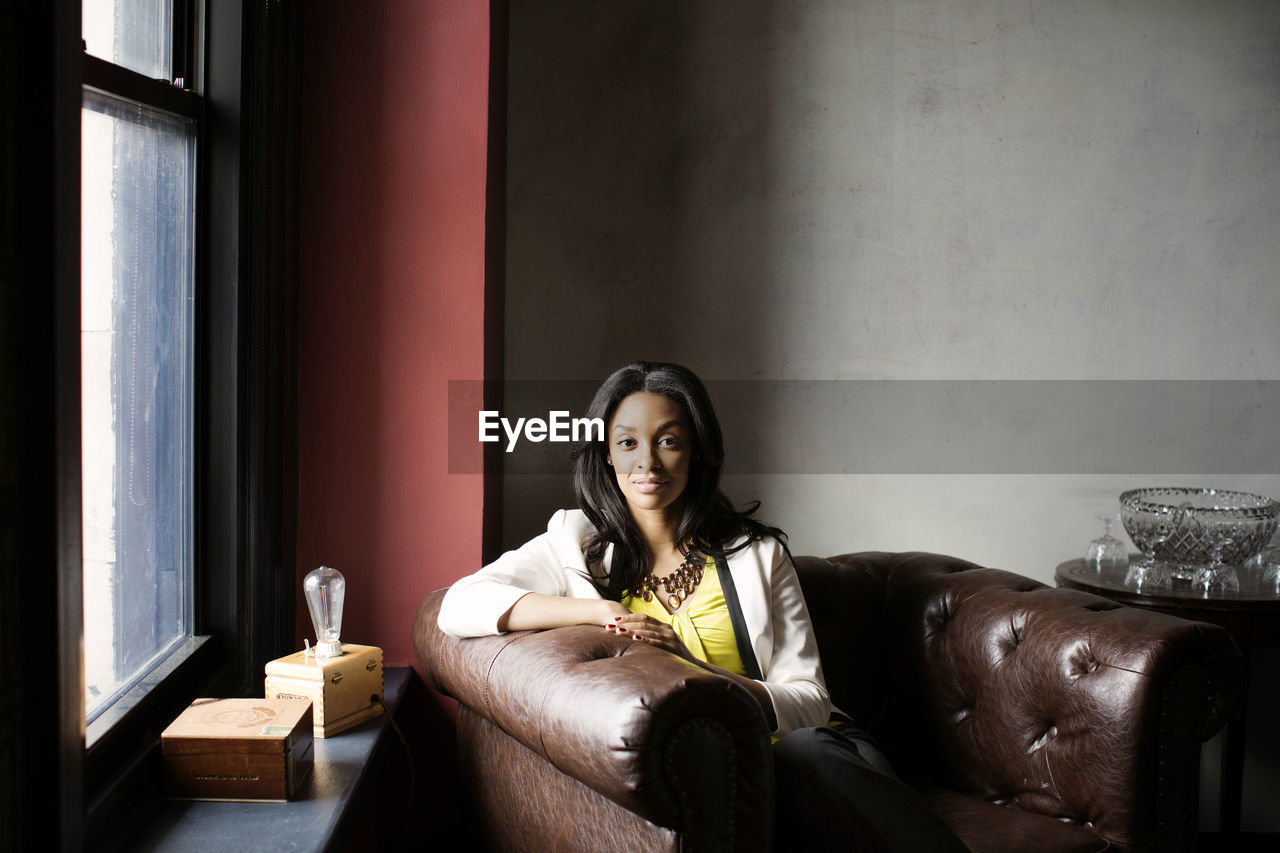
(657, 553)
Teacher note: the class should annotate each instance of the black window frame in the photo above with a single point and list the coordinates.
(242, 59)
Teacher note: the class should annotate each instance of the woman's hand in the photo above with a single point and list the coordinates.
(646, 629)
(611, 612)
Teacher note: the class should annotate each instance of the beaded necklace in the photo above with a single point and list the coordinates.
(678, 585)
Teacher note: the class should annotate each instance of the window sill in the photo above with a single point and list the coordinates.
(316, 820)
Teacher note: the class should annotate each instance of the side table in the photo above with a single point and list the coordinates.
(1251, 617)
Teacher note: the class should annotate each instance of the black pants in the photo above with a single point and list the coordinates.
(836, 791)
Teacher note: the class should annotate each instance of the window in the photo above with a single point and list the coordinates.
(138, 230)
(134, 34)
(187, 378)
(136, 377)
(103, 157)
(159, 214)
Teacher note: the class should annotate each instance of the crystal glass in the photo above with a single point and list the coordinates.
(1186, 530)
(1148, 576)
(1106, 555)
(1217, 577)
(1265, 565)
(1271, 576)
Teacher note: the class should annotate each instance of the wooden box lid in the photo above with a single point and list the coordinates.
(238, 725)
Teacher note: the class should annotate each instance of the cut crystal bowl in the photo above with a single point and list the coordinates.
(1195, 528)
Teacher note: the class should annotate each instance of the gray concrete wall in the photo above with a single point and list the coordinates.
(898, 189)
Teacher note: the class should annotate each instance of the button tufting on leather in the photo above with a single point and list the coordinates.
(1081, 660)
(1103, 606)
(1017, 627)
(1038, 743)
(939, 614)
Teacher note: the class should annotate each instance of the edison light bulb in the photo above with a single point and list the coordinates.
(325, 589)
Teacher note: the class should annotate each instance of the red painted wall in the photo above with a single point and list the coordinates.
(392, 295)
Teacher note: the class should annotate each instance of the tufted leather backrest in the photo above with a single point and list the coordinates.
(994, 685)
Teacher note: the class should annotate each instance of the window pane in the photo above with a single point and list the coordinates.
(137, 369)
(132, 33)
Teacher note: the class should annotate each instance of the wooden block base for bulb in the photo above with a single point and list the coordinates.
(344, 690)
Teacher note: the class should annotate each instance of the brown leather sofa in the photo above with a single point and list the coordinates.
(1031, 718)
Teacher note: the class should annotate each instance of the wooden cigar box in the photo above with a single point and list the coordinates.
(238, 749)
(344, 691)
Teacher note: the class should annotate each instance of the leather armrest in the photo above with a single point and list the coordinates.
(644, 728)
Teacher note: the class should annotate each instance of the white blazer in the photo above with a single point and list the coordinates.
(772, 606)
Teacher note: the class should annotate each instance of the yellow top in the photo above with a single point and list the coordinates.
(703, 625)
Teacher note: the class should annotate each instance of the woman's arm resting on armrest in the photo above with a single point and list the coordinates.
(535, 611)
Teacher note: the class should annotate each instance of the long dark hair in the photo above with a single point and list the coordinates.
(708, 520)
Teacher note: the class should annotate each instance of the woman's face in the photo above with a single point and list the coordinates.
(650, 449)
